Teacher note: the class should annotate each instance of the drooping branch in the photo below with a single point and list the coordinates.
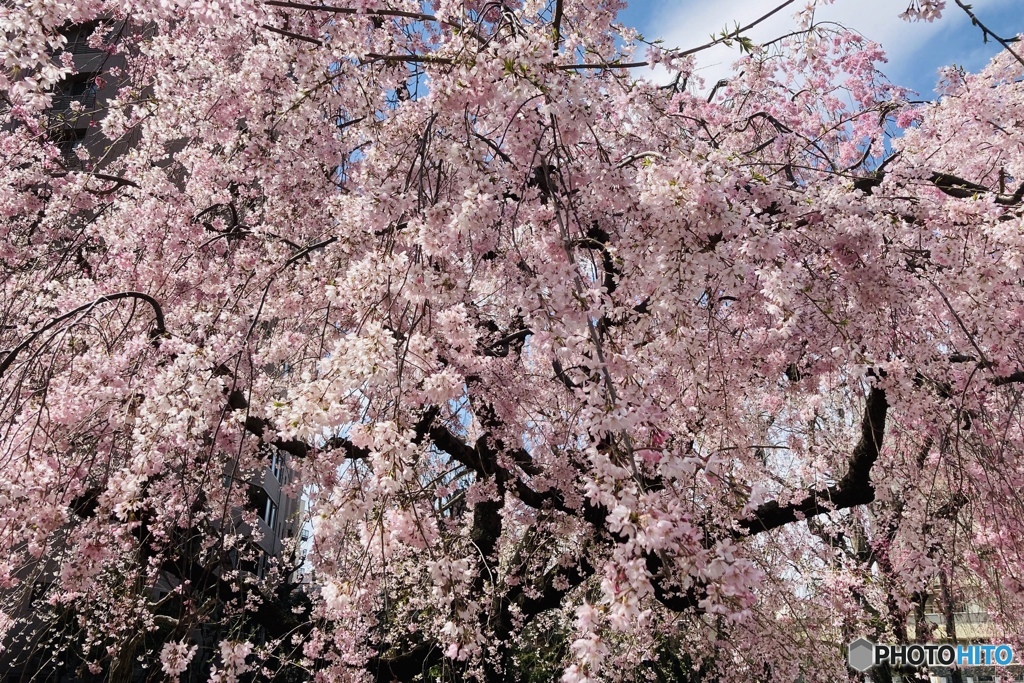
(158, 330)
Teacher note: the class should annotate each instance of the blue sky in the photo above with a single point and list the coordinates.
(916, 50)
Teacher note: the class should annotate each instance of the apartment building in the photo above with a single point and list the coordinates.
(971, 625)
(279, 514)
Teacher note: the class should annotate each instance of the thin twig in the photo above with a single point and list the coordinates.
(734, 34)
(610, 65)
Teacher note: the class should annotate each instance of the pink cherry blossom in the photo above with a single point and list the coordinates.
(560, 360)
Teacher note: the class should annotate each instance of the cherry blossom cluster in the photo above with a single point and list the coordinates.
(923, 10)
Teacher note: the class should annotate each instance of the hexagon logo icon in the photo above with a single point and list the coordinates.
(861, 654)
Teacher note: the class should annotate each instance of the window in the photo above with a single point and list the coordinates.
(277, 467)
(78, 38)
(68, 140)
(270, 513)
(261, 564)
(80, 88)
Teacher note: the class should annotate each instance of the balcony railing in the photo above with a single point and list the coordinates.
(62, 103)
(82, 47)
(71, 161)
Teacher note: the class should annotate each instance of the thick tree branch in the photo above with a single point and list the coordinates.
(466, 455)
(258, 426)
(553, 587)
(295, 36)
(556, 24)
(405, 666)
(418, 16)
(853, 489)
(949, 184)
(1015, 378)
(501, 348)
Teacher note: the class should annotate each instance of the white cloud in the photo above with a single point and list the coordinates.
(686, 24)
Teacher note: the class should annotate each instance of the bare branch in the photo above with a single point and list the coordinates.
(418, 16)
(987, 32)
